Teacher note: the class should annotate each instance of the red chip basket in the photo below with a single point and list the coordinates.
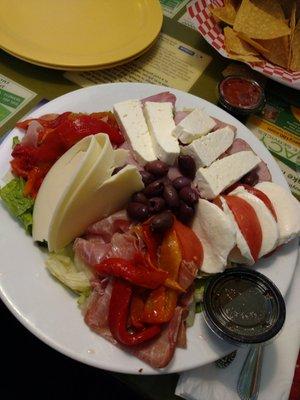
(213, 34)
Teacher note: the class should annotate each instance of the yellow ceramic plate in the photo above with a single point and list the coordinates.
(85, 67)
(72, 34)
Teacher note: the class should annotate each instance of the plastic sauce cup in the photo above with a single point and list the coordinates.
(240, 96)
(242, 306)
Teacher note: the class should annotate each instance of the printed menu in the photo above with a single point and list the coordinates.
(170, 63)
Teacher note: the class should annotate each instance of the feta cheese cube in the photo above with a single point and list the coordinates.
(207, 149)
(193, 126)
(159, 117)
(131, 120)
(221, 174)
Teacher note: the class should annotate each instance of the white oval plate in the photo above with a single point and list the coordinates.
(50, 311)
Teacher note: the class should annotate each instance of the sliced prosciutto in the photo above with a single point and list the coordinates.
(157, 352)
(97, 308)
(164, 97)
(117, 222)
(32, 134)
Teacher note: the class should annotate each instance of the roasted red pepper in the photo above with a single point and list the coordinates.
(160, 306)
(135, 271)
(118, 315)
(136, 311)
(58, 134)
(191, 247)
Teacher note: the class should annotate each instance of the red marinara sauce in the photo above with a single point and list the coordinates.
(240, 95)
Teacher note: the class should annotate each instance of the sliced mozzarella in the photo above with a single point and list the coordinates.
(72, 184)
(63, 179)
(92, 203)
(241, 254)
(131, 120)
(223, 173)
(194, 125)
(207, 149)
(287, 210)
(269, 227)
(159, 117)
(217, 235)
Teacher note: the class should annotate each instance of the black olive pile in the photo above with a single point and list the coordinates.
(161, 194)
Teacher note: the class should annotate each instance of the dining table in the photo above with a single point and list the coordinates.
(25, 355)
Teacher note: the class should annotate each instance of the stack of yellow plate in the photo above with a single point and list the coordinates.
(79, 34)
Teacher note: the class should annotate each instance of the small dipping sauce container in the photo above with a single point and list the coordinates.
(242, 306)
(240, 96)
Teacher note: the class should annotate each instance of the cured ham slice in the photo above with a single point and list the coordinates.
(221, 124)
(158, 352)
(105, 228)
(180, 115)
(96, 316)
(187, 273)
(31, 136)
(161, 98)
(91, 251)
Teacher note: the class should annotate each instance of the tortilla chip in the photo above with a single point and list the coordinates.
(233, 44)
(253, 43)
(277, 50)
(261, 19)
(227, 13)
(295, 61)
(245, 58)
(292, 26)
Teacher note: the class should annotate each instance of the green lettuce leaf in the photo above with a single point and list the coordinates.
(19, 205)
(15, 141)
(64, 270)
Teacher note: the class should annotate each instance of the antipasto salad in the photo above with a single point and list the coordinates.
(138, 206)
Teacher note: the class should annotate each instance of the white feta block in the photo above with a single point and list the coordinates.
(221, 174)
(159, 117)
(131, 120)
(207, 149)
(193, 126)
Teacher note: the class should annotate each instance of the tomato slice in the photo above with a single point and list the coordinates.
(263, 197)
(247, 221)
(160, 306)
(191, 246)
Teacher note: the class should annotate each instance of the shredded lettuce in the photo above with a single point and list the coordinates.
(17, 203)
(15, 141)
(65, 271)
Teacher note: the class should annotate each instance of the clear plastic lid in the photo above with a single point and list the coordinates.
(243, 306)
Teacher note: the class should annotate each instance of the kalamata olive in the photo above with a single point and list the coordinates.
(181, 182)
(171, 196)
(154, 189)
(185, 212)
(162, 222)
(188, 195)
(250, 179)
(137, 211)
(147, 178)
(156, 205)
(157, 168)
(139, 197)
(187, 166)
